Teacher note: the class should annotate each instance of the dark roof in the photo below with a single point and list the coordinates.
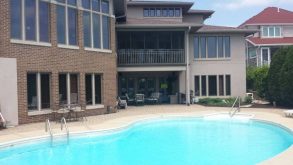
(224, 29)
(205, 13)
(271, 15)
(257, 41)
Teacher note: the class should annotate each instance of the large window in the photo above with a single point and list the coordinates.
(212, 47)
(93, 89)
(271, 31)
(38, 91)
(162, 12)
(212, 85)
(68, 89)
(30, 20)
(150, 40)
(67, 22)
(96, 24)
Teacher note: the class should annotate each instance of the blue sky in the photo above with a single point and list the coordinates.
(235, 12)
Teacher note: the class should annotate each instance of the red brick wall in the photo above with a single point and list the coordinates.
(56, 60)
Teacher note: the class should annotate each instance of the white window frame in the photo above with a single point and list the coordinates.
(218, 89)
(23, 35)
(66, 6)
(217, 49)
(93, 80)
(68, 87)
(101, 14)
(261, 55)
(39, 92)
(269, 36)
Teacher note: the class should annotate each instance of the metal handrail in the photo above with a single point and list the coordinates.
(64, 124)
(233, 110)
(48, 128)
(3, 120)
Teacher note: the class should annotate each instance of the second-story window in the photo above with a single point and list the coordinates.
(271, 31)
(212, 47)
(96, 24)
(161, 12)
(67, 22)
(30, 20)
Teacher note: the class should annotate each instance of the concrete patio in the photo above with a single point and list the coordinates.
(132, 114)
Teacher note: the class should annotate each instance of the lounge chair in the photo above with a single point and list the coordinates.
(288, 113)
(154, 98)
(121, 104)
(139, 99)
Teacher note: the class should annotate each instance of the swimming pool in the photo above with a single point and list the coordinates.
(176, 141)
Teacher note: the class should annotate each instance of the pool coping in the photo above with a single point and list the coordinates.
(284, 156)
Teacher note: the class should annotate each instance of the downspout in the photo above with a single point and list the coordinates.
(187, 67)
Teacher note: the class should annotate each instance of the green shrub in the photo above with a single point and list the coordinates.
(280, 77)
(278, 60)
(247, 100)
(223, 102)
(257, 79)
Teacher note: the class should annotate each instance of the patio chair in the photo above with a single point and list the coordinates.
(154, 98)
(121, 104)
(130, 101)
(288, 113)
(139, 99)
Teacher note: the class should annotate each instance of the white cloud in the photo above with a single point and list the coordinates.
(237, 4)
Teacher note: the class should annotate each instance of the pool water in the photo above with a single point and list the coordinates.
(193, 141)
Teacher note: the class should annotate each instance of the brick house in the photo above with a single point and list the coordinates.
(53, 52)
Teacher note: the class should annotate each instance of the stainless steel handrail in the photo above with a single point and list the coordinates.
(233, 110)
(64, 124)
(48, 128)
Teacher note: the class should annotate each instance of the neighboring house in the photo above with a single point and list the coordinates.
(56, 52)
(164, 47)
(275, 27)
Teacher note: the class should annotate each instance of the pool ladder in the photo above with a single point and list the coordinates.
(63, 125)
(235, 107)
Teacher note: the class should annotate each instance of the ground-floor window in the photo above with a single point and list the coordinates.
(93, 89)
(38, 91)
(212, 85)
(68, 88)
(265, 56)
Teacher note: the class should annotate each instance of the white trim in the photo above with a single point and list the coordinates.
(98, 50)
(39, 93)
(97, 106)
(151, 68)
(93, 89)
(67, 46)
(42, 112)
(68, 89)
(261, 55)
(213, 59)
(269, 36)
(16, 41)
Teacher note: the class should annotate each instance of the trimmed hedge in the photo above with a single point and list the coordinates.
(280, 78)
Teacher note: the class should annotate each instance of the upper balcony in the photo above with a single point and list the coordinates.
(127, 57)
(148, 48)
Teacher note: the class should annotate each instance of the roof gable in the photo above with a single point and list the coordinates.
(271, 15)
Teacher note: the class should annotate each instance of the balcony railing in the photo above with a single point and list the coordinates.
(151, 57)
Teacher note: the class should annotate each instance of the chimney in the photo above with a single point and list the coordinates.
(278, 10)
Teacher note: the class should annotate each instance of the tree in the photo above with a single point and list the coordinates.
(280, 77)
(274, 93)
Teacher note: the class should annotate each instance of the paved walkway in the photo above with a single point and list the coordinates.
(132, 114)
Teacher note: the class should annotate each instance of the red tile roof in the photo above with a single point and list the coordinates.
(271, 41)
(271, 15)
